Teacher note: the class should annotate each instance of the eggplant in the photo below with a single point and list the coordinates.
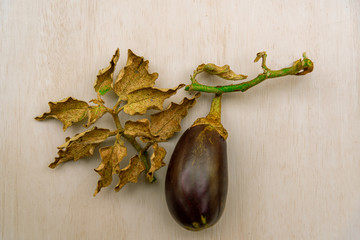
(197, 177)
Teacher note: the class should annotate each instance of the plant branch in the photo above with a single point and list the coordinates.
(120, 109)
(99, 101)
(142, 151)
(148, 145)
(117, 121)
(113, 133)
(299, 67)
(146, 157)
(115, 108)
(142, 154)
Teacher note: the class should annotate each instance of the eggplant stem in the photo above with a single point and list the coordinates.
(215, 110)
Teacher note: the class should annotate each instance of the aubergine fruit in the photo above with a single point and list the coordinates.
(197, 176)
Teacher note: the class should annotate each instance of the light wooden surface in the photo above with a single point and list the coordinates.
(293, 146)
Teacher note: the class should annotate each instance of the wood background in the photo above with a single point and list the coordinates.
(293, 146)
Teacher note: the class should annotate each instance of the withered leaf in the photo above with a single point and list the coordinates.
(111, 156)
(104, 79)
(140, 128)
(165, 124)
(68, 111)
(224, 72)
(94, 113)
(139, 101)
(156, 161)
(130, 173)
(133, 76)
(81, 145)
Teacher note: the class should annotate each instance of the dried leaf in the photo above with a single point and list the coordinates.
(81, 145)
(148, 98)
(104, 79)
(68, 111)
(130, 173)
(164, 124)
(94, 113)
(156, 161)
(111, 156)
(140, 128)
(224, 72)
(133, 76)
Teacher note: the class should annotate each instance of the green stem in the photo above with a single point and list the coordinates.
(300, 67)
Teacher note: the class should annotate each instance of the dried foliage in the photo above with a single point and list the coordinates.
(111, 156)
(224, 72)
(156, 161)
(165, 124)
(134, 76)
(104, 79)
(94, 113)
(68, 111)
(134, 87)
(130, 173)
(139, 101)
(81, 145)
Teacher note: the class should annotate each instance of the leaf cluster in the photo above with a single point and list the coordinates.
(134, 87)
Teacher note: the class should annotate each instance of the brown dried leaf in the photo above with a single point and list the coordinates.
(140, 128)
(224, 72)
(104, 79)
(94, 113)
(81, 145)
(68, 111)
(164, 124)
(133, 76)
(111, 156)
(156, 161)
(139, 101)
(130, 173)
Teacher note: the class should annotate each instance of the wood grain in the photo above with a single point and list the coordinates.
(293, 146)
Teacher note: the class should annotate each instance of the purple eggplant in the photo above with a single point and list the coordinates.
(197, 177)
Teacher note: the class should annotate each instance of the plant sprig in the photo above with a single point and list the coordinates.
(134, 87)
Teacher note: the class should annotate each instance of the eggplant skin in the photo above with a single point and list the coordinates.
(197, 178)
